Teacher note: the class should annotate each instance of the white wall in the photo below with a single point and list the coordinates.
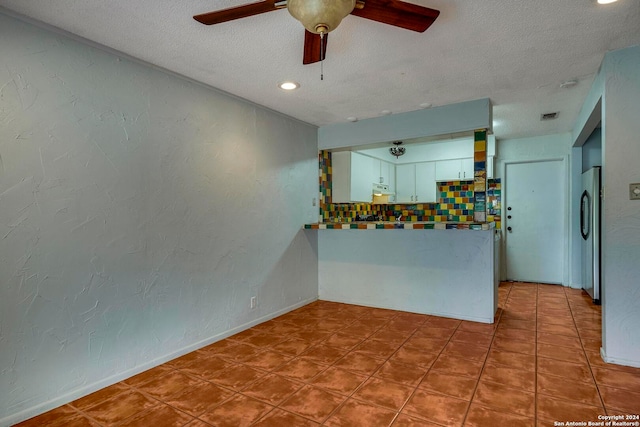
(621, 216)
(139, 212)
(538, 148)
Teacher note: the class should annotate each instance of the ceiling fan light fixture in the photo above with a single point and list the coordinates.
(320, 16)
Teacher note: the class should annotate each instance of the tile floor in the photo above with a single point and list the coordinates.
(343, 365)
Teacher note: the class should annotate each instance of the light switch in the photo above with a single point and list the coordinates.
(634, 191)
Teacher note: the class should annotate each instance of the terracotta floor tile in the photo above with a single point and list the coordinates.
(272, 389)
(403, 420)
(215, 348)
(472, 338)
(429, 331)
(451, 385)
(99, 396)
(501, 398)
(268, 360)
(617, 379)
(121, 407)
(199, 398)
(510, 377)
(564, 388)
(292, 346)
(237, 377)
(517, 324)
(427, 344)
(465, 351)
(239, 352)
(442, 322)
(455, 365)
(410, 375)
(239, 411)
(377, 348)
(559, 340)
(342, 340)
(280, 418)
(620, 399)
(480, 416)
(522, 361)
(311, 335)
(480, 328)
(356, 413)
(516, 334)
(561, 353)
(163, 415)
(564, 329)
(512, 345)
(312, 403)
(573, 371)
(436, 408)
(205, 368)
(300, 369)
(62, 416)
(338, 380)
(323, 353)
(359, 363)
(384, 393)
(165, 385)
(549, 408)
(591, 345)
(265, 340)
(391, 336)
(410, 355)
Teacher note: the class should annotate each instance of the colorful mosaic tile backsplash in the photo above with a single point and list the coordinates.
(456, 202)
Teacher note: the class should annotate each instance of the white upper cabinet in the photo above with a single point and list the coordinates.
(452, 170)
(415, 183)
(351, 177)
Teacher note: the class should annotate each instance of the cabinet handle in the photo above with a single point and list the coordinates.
(416, 197)
(412, 198)
(458, 175)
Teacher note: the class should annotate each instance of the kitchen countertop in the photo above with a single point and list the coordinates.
(393, 225)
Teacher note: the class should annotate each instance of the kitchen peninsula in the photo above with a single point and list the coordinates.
(444, 272)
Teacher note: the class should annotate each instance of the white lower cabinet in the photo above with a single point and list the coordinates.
(415, 183)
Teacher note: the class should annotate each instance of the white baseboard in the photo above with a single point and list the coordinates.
(41, 408)
(619, 361)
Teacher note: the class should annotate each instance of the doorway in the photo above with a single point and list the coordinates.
(535, 221)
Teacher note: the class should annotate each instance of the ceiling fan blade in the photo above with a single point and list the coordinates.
(312, 46)
(237, 12)
(398, 13)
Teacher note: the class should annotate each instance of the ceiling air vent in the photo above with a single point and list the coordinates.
(549, 116)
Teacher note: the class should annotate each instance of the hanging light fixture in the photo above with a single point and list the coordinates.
(320, 16)
(397, 150)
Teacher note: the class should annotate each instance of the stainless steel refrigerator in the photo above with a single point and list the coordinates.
(590, 231)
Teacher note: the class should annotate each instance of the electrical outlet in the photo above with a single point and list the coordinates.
(253, 302)
(634, 191)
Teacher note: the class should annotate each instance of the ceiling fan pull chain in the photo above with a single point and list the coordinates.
(322, 55)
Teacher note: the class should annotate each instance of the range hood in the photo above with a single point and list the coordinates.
(381, 190)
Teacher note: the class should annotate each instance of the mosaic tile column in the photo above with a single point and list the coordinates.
(324, 181)
(480, 175)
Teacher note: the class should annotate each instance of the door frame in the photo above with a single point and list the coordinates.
(567, 220)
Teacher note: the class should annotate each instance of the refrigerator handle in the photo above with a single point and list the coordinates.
(584, 222)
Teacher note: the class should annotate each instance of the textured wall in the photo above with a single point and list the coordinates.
(139, 212)
(621, 216)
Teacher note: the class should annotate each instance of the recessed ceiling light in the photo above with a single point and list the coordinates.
(288, 85)
(425, 105)
(386, 112)
(352, 119)
(569, 83)
(606, 1)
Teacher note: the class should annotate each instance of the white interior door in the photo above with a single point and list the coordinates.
(534, 212)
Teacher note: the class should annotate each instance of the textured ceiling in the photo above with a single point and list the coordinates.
(515, 52)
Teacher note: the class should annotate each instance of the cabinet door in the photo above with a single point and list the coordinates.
(405, 183)
(467, 168)
(361, 180)
(392, 181)
(448, 170)
(425, 182)
(490, 167)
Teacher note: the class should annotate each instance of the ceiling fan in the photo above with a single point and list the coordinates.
(319, 17)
